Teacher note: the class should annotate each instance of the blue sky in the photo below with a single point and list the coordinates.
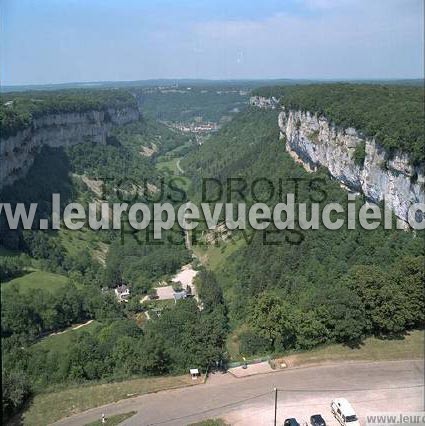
(54, 41)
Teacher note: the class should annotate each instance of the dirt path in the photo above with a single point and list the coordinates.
(179, 168)
(82, 325)
(76, 327)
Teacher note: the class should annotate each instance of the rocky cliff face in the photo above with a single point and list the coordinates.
(313, 141)
(17, 152)
(263, 102)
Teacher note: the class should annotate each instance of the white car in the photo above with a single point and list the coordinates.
(344, 412)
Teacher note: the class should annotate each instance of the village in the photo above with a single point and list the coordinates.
(197, 127)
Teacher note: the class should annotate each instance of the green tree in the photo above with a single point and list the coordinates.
(154, 358)
(16, 389)
(310, 330)
(274, 319)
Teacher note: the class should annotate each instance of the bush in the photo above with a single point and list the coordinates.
(177, 287)
(359, 154)
(16, 390)
(252, 344)
(153, 294)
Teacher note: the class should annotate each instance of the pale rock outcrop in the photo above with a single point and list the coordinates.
(313, 141)
(17, 153)
(263, 102)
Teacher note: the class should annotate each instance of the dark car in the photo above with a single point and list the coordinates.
(291, 422)
(317, 420)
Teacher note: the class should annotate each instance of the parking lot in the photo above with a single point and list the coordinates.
(369, 386)
(302, 406)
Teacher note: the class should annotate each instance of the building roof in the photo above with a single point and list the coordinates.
(122, 289)
(179, 294)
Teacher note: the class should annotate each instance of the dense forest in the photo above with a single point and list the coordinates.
(28, 315)
(296, 289)
(186, 104)
(116, 347)
(276, 291)
(392, 114)
(17, 109)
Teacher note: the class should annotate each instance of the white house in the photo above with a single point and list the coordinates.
(179, 295)
(122, 292)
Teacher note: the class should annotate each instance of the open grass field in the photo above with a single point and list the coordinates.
(373, 349)
(38, 280)
(160, 304)
(411, 346)
(60, 342)
(180, 148)
(83, 239)
(47, 408)
(169, 165)
(172, 167)
(213, 257)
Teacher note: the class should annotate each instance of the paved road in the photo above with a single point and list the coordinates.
(370, 387)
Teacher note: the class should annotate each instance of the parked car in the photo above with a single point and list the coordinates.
(291, 422)
(317, 420)
(344, 412)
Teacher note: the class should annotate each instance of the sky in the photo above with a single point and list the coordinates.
(59, 41)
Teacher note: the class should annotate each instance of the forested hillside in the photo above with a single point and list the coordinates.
(272, 292)
(17, 109)
(297, 289)
(187, 103)
(392, 114)
(54, 280)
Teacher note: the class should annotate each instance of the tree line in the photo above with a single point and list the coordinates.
(182, 337)
(17, 109)
(392, 114)
(302, 288)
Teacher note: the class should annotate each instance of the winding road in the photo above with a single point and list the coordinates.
(370, 386)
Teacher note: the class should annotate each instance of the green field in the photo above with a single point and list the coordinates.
(38, 280)
(77, 242)
(60, 342)
(410, 346)
(213, 257)
(181, 148)
(47, 408)
(169, 165)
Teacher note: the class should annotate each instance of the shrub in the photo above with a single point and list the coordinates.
(251, 344)
(177, 287)
(359, 154)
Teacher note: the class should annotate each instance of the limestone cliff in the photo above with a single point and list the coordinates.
(17, 152)
(314, 141)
